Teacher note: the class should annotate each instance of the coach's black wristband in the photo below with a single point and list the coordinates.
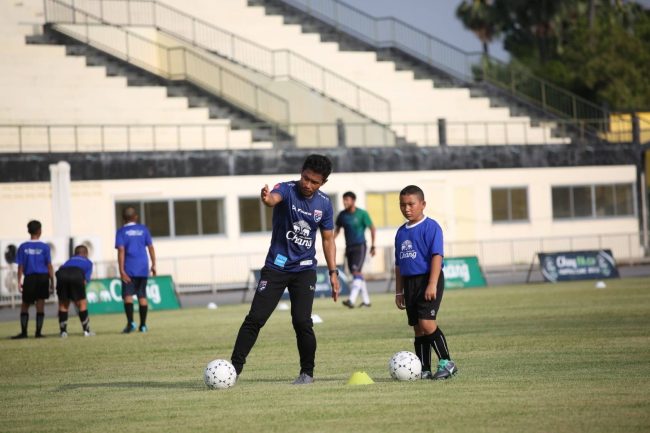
(334, 271)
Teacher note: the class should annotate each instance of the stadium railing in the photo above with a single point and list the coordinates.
(389, 32)
(178, 63)
(221, 272)
(24, 138)
(278, 64)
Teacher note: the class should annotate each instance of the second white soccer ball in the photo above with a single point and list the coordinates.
(219, 374)
(405, 365)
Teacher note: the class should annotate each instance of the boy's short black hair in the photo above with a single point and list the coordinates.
(80, 249)
(413, 190)
(129, 213)
(350, 194)
(33, 227)
(318, 164)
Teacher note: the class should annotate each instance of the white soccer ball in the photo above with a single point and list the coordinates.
(405, 365)
(219, 374)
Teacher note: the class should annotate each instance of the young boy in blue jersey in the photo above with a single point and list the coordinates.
(71, 279)
(35, 263)
(299, 211)
(420, 281)
(132, 241)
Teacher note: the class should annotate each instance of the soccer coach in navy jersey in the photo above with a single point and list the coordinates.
(299, 211)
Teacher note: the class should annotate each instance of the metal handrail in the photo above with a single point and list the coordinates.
(182, 64)
(49, 138)
(274, 63)
(388, 32)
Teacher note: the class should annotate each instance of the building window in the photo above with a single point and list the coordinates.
(177, 218)
(383, 208)
(509, 204)
(254, 216)
(593, 201)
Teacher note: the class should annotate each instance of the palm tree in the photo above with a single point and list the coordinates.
(478, 16)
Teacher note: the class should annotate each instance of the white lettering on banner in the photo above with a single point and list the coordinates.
(153, 293)
(113, 286)
(565, 262)
(457, 270)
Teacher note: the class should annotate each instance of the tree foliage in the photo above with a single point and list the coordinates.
(599, 49)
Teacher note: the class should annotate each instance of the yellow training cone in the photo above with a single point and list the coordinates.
(360, 378)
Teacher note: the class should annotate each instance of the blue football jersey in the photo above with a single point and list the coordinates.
(82, 263)
(34, 256)
(416, 245)
(135, 238)
(296, 222)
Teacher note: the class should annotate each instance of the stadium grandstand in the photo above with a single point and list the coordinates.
(186, 109)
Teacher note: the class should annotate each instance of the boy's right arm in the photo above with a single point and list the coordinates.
(20, 278)
(399, 289)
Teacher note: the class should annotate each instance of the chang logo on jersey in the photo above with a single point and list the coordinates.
(33, 251)
(300, 234)
(406, 250)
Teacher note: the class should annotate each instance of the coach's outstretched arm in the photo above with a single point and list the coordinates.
(269, 198)
(329, 248)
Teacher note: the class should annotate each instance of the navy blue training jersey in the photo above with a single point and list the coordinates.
(82, 263)
(296, 222)
(416, 245)
(34, 256)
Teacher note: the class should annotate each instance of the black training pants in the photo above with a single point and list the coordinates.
(269, 291)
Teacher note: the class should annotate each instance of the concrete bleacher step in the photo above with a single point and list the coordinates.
(401, 60)
(195, 98)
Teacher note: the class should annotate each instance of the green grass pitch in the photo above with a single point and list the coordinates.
(538, 358)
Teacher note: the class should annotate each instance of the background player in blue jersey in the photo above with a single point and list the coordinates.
(355, 221)
(71, 279)
(420, 281)
(132, 241)
(299, 211)
(35, 263)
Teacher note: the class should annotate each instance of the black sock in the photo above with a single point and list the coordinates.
(423, 351)
(439, 344)
(128, 309)
(63, 321)
(24, 319)
(143, 314)
(85, 321)
(40, 318)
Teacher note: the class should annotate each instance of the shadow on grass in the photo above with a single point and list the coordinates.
(191, 385)
(188, 384)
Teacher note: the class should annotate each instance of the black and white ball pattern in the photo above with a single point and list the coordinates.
(219, 374)
(405, 365)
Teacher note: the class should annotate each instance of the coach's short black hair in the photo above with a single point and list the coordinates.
(33, 227)
(318, 164)
(413, 190)
(350, 194)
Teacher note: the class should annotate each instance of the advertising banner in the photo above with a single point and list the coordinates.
(578, 265)
(322, 288)
(105, 295)
(462, 272)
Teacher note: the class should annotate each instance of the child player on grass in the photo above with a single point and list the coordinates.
(420, 282)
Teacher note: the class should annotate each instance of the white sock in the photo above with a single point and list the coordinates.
(364, 292)
(355, 287)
